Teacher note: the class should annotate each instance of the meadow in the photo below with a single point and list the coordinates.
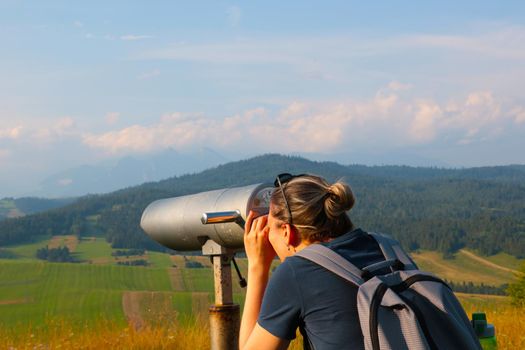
(96, 303)
(193, 334)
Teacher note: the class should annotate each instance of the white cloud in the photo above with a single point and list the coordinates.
(60, 128)
(130, 37)
(65, 182)
(112, 117)
(291, 51)
(294, 108)
(386, 121)
(425, 122)
(176, 130)
(504, 43)
(234, 15)
(519, 115)
(39, 132)
(78, 24)
(64, 124)
(10, 133)
(477, 117)
(398, 86)
(149, 75)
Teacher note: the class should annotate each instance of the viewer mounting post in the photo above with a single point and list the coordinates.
(224, 315)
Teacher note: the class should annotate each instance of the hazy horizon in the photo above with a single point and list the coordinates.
(69, 182)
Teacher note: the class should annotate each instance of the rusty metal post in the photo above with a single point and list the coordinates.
(224, 315)
(224, 326)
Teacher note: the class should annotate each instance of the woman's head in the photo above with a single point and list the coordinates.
(318, 209)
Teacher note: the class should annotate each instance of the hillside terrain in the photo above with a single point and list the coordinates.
(425, 208)
(17, 207)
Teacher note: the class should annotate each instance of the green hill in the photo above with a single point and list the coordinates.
(425, 208)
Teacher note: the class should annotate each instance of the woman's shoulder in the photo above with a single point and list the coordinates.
(294, 268)
(291, 264)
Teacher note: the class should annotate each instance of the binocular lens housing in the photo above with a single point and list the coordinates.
(185, 223)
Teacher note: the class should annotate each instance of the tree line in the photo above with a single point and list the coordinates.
(471, 288)
(60, 254)
(425, 208)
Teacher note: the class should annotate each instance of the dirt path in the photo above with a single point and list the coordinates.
(176, 279)
(482, 296)
(131, 307)
(488, 262)
(148, 308)
(15, 301)
(70, 241)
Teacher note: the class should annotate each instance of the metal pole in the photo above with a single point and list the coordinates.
(224, 315)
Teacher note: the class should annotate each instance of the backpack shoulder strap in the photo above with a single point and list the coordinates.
(333, 262)
(392, 250)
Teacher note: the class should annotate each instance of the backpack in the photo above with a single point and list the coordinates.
(404, 308)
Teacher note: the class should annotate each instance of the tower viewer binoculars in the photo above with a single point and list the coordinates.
(184, 223)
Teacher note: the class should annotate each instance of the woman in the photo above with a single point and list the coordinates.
(304, 209)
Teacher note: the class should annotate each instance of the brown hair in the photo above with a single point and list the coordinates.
(318, 209)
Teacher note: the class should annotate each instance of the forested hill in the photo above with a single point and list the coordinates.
(430, 208)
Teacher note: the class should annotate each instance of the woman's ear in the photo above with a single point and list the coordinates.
(291, 235)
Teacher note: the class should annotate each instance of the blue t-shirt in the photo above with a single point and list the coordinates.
(304, 295)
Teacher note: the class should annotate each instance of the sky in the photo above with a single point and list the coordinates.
(438, 82)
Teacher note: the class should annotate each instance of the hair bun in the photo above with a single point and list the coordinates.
(340, 199)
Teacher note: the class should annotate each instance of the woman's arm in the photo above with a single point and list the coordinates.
(257, 281)
(261, 339)
(260, 255)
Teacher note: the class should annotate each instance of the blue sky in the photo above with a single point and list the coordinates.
(91, 81)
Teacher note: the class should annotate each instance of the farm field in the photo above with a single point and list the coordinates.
(143, 302)
(33, 292)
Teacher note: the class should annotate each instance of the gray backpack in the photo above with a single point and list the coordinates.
(405, 308)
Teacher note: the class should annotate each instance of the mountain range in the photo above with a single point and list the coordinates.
(112, 175)
(117, 173)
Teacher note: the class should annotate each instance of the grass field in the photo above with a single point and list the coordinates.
(464, 268)
(508, 319)
(94, 249)
(159, 259)
(28, 251)
(32, 292)
(194, 334)
(140, 305)
(504, 259)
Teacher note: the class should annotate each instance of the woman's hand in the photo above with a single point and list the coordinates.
(260, 254)
(258, 249)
